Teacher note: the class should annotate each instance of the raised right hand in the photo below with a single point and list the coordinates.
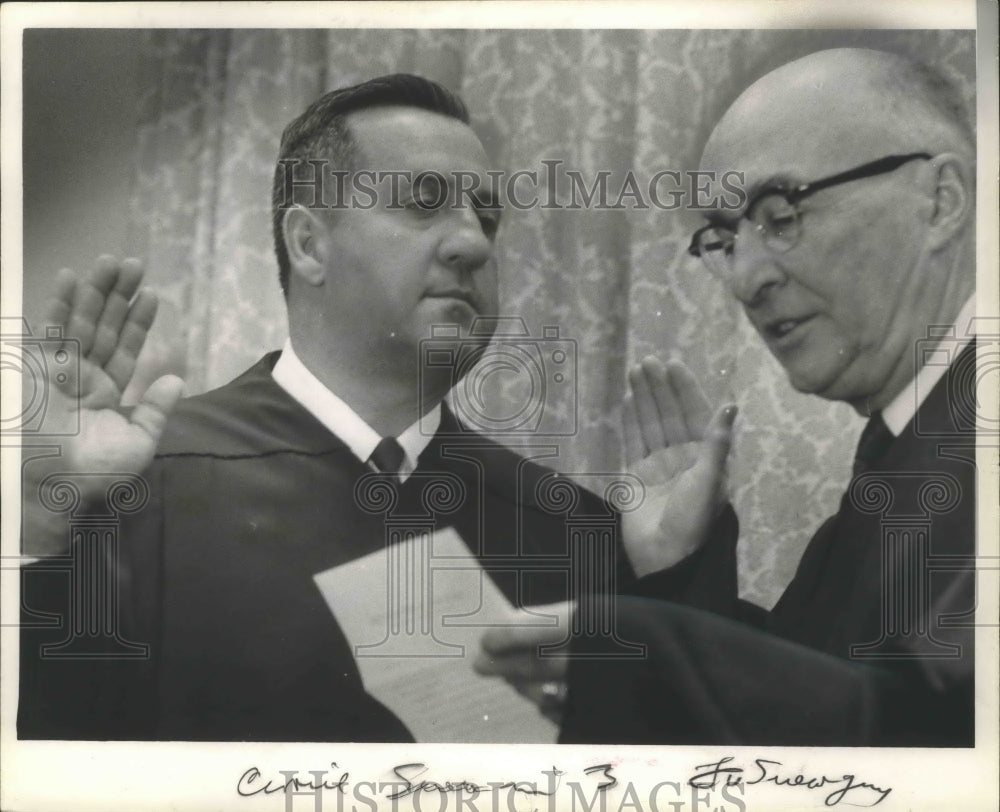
(110, 320)
(677, 445)
(106, 317)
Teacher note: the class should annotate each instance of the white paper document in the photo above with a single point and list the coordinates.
(414, 613)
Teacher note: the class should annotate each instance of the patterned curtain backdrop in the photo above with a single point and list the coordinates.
(617, 283)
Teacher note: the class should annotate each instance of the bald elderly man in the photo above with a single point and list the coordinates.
(852, 256)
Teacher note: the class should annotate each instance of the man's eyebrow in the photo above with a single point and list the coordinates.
(722, 217)
(779, 181)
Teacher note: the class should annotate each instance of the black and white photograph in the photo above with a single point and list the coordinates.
(500, 406)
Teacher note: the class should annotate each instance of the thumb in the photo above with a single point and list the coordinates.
(718, 439)
(156, 404)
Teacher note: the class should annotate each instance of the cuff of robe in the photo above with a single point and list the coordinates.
(705, 579)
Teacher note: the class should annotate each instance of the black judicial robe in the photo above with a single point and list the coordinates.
(870, 644)
(250, 496)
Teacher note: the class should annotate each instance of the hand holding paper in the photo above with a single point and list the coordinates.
(516, 653)
(416, 657)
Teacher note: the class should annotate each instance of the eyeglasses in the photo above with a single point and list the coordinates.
(775, 215)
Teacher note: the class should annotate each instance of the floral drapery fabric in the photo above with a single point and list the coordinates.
(615, 282)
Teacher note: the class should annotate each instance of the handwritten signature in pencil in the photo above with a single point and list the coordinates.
(764, 770)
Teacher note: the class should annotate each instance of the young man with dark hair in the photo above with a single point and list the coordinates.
(253, 488)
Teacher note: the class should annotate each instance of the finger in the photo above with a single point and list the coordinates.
(131, 339)
(695, 410)
(547, 624)
(156, 404)
(60, 303)
(715, 450)
(646, 412)
(523, 667)
(667, 406)
(130, 276)
(635, 449)
(89, 300)
(58, 307)
(500, 641)
(107, 329)
(116, 309)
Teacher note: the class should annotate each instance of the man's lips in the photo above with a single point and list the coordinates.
(462, 295)
(781, 329)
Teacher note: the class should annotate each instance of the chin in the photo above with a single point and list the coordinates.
(830, 375)
(809, 383)
(837, 389)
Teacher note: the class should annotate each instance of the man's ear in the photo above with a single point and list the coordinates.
(951, 189)
(303, 237)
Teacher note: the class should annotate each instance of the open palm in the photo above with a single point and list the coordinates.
(104, 323)
(678, 448)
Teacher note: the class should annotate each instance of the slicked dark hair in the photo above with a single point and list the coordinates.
(321, 133)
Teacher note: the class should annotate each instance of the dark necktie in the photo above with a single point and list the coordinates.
(875, 441)
(388, 456)
(815, 567)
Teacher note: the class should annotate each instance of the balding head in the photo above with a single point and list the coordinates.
(848, 104)
(874, 261)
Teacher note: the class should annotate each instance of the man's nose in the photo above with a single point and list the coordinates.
(755, 268)
(465, 245)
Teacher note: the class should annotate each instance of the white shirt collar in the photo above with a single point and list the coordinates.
(903, 407)
(292, 375)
